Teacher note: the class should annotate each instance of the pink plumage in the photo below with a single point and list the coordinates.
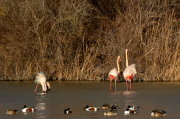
(41, 78)
(129, 72)
(113, 74)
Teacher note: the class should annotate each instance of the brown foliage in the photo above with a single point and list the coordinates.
(80, 40)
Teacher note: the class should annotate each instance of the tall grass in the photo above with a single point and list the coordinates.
(80, 40)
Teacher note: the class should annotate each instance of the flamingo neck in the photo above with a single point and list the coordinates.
(118, 65)
(44, 88)
(126, 59)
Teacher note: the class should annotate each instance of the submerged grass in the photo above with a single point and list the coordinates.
(80, 40)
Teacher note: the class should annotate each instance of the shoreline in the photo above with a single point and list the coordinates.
(89, 81)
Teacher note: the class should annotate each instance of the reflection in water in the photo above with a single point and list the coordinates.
(25, 113)
(41, 96)
(128, 93)
(115, 92)
(41, 107)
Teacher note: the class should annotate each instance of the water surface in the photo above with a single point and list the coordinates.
(76, 95)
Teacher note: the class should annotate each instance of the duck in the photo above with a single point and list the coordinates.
(110, 113)
(128, 111)
(67, 111)
(131, 110)
(9, 111)
(158, 113)
(29, 109)
(105, 106)
(115, 106)
(91, 108)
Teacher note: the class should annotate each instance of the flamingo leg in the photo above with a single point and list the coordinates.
(130, 86)
(115, 84)
(126, 85)
(42, 88)
(110, 85)
(36, 87)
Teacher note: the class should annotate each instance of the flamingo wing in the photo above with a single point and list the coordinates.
(130, 72)
(40, 78)
(113, 74)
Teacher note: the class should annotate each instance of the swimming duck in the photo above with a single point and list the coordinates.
(128, 111)
(115, 106)
(9, 111)
(67, 111)
(110, 113)
(158, 113)
(91, 108)
(131, 110)
(30, 109)
(105, 106)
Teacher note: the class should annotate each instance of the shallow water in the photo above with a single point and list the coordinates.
(76, 95)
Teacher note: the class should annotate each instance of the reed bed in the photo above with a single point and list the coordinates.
(80, 40)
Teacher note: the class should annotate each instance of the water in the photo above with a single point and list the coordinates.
(76, 95)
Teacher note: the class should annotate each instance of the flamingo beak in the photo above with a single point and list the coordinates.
(35, 81)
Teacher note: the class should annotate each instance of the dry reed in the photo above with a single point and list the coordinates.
(80, 40)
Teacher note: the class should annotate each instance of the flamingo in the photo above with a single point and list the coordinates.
(113, 74)
(129, 72)
(40, 78)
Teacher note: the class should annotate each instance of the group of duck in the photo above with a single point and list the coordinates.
(24, 109)
(109, 110)
(113, 110)
(94, 108)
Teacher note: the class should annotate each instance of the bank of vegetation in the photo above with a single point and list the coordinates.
(81, 39)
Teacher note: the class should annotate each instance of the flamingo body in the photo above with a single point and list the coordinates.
(113, 74)
(129, 72)
(112, 77)
(40, 78)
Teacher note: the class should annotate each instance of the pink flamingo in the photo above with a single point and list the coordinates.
(40, 78)
(113, 74)
(129, 72)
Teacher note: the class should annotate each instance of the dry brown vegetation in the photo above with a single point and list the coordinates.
(81, 39)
